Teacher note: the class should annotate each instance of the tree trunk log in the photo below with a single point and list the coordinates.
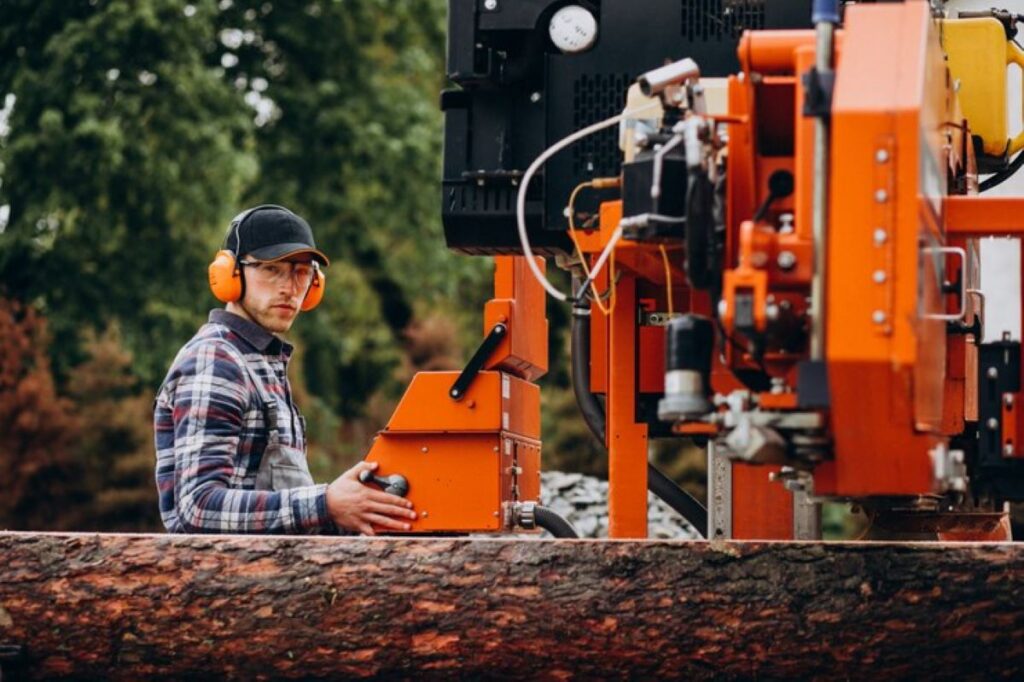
(138, 606)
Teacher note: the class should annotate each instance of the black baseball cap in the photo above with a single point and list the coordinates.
(269, 233)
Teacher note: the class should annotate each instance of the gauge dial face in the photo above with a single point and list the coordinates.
(573, 29)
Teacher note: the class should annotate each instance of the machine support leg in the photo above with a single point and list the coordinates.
(719, 495)
(627, 440)
(806, 517)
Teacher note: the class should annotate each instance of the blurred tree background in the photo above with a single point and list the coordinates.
(131, 131)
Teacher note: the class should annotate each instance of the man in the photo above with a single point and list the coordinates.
(230, 442)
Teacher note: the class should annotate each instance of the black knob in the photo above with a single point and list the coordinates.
(395, 484)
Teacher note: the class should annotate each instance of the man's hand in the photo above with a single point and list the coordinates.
(359, 507)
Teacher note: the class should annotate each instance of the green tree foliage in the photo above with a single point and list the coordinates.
(126, 151)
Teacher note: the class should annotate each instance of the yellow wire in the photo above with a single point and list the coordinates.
(668, 276)
(583, 259)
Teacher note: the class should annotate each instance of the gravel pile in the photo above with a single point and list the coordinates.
(583, 502)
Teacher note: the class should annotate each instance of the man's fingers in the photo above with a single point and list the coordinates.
(388, 498)
(366, 529)
(354, 472)
(391, 510)
(382, 521)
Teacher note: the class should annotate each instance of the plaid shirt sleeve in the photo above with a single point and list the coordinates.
(207, 404)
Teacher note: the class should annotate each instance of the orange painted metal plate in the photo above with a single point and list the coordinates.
(761, 509)
(495, 401)
(455, 481)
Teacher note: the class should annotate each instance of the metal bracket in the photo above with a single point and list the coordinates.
(476, 363)
(818, 87)
(719, 494)
(956, 251)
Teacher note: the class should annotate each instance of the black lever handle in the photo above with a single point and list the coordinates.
(395, 484)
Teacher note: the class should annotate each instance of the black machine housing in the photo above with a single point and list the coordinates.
(517, 94)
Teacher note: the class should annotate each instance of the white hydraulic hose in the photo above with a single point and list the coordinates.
(524, 240)
(609, 247)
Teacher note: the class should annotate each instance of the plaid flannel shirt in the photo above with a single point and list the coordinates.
(210, 435)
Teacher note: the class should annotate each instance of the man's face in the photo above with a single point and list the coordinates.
(274, 291)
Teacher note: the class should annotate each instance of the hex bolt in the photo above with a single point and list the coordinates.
(535, 97)
(878, 317)
(1008, 449)
(992, 424)
(880, 236)
(423, 449)
(878, 276)
(1008, 400)
(881, 156)
(490, 5)
(423, 514)
(881, 196)
(786, 260)
(992, 373)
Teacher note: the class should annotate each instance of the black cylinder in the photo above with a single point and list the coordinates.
(689, 345)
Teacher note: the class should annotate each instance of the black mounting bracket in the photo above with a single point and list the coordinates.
(476, 363)
(818, 87)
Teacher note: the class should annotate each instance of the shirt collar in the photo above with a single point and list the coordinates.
(255, 335)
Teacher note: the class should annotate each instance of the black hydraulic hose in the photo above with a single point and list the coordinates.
(593, 414)
(553, 523)
(685, 504)
(579, 344)
(998, 178)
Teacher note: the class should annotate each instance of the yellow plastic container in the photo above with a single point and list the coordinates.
(978, 54)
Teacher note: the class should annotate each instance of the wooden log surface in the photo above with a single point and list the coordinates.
(139, 606)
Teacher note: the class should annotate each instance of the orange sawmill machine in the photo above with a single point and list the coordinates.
(773, 217)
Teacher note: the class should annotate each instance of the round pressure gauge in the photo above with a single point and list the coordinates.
(573, 29)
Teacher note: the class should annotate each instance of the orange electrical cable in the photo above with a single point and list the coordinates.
(668, 277)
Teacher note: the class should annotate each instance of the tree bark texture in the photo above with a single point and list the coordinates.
(139, 606)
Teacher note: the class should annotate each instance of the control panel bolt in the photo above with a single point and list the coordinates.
(880, 236)
(786, 223)
(992, 424)
(786, 260)
(878, 317)
(490, 5)
(1008, 400)
(881, 156)
(881, 196)
(992, 373)
(1008, 449)
(535, 97)
(879, 276)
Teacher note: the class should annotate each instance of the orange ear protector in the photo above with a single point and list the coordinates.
(228, 283)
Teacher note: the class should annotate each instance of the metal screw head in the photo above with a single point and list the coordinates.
(992, 373)
(882, 155)
(878, 317)
(992, 423)
(490, 5)
(878, 276)
(423, 514)
(535, 97)
(723, 308)
(423, 449)
(786, 260)
(880, 236)
(1008, 449)
(1008, 400)
(881, 196)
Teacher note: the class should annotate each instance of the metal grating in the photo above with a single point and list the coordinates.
(721, 20)
(595, 98)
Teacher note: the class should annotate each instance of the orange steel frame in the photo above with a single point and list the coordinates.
(898, 387)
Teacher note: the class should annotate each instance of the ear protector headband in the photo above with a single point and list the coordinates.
(227, 281)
